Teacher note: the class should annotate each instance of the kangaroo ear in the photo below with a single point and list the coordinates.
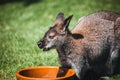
(60, 16)
(66, 24)
(67, 21)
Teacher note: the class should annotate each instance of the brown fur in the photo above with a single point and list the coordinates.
(94, 44)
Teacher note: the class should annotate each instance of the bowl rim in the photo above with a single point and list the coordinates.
(36, 67)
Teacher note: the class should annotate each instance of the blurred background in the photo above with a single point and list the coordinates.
(24, 22)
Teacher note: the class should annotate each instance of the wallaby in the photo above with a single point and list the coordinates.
(93, 44)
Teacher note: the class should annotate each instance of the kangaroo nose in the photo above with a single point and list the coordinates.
(39, 44)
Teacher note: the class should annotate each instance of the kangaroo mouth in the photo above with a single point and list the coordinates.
(46, 49)
(43, 47)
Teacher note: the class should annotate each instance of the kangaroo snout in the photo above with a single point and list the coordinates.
(40, 44)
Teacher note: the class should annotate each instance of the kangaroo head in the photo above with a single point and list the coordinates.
(56, 34)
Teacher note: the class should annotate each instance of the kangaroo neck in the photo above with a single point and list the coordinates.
(67, 47)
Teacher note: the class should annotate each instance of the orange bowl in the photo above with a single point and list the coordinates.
(45, 73)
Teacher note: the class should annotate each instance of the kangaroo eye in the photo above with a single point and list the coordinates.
(51, 37)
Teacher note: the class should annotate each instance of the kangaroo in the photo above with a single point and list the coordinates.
(93, 44)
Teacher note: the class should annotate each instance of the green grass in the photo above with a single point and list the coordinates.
(22, 26)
